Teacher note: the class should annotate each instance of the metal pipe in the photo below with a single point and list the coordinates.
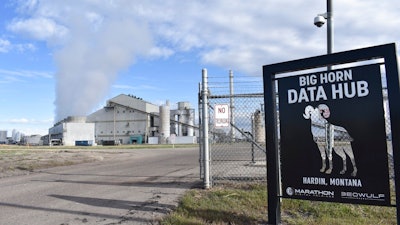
(205, 130)
(329, 37)
(329, 30)
(201, 146)
(115, 141)
(232, 107)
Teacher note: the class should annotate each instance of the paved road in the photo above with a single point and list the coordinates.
(134, 187)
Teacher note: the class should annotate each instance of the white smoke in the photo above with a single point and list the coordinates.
(88, 63)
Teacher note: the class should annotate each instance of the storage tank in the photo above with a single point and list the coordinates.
(183, 105)
(185, 116)
(164, 123)
(190, 130)
(258, 126)
(3, 136)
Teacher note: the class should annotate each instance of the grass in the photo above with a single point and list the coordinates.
(247, 204)
(237, 205)
(234, 204)
(16, 158)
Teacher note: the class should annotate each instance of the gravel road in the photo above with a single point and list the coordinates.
(125, 187)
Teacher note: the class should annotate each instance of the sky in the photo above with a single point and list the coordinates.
(67, 58)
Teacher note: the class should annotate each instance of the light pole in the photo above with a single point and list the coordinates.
(319, 20)
(327, 17)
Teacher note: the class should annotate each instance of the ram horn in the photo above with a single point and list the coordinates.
(308, 111)
(324, 110)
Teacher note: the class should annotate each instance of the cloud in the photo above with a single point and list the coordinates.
(43, 29)
(25, 47)
(136, 88)
(225, 33)
(26, 121)
(26, 126)
(21, 120)
(5, 46)
(18, 75)
(26, 5)
(161, 52)
(95, 40)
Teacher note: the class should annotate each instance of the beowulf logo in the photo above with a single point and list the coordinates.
(362, 196)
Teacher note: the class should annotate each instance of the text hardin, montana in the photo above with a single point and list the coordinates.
(342, 182)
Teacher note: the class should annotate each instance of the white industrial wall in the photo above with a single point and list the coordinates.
(3, 136)
(185, 140)
(33, 140)
(78, 132)
(128, 122)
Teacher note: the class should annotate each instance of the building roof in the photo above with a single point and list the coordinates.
(133, 102)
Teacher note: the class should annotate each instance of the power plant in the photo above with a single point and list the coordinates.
(127, 119)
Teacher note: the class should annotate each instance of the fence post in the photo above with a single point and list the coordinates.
(201, 147)
(232, 107)
(204, 94)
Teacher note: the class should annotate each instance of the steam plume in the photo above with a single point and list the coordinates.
(89, 61)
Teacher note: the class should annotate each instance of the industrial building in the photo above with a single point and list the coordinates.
(70, 131)
(32, 140)
(127, 119)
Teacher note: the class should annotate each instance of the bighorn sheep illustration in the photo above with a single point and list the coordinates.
(328, 136)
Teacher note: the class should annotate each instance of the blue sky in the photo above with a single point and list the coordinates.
(63, 58)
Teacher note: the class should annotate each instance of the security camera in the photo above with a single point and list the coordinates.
(319, 20)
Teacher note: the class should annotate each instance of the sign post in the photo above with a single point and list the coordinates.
(331, 130)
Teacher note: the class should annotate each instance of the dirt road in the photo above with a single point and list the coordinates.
(127, 187)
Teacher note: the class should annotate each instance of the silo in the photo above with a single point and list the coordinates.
(183, 105)
(259, 131)
(190, 131)
(186, 116)
(164, 123)
(3, 136)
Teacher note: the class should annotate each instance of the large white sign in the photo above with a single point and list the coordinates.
(221, 115)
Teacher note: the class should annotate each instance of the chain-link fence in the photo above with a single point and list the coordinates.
(236, 129)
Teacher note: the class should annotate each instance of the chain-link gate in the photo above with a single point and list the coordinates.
(236, 130)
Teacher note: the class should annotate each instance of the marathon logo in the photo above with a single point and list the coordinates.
(310, 192)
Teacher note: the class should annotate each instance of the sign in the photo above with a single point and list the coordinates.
(333, 138)
(328, 132)
(221, 115)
